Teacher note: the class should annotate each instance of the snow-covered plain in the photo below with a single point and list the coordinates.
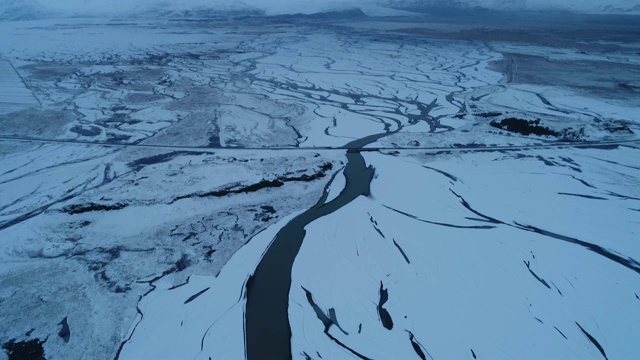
(163, 174)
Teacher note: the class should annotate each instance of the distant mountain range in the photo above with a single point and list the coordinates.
(577, 6)
(40, 9)
(23, 10)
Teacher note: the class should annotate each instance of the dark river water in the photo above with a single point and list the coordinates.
(267, 330)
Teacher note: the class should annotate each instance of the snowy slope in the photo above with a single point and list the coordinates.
(23, 10)
(588, 6)
(39, 9)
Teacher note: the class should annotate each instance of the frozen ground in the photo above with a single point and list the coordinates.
(188, 192)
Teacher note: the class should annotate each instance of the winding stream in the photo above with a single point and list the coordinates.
(267, 330)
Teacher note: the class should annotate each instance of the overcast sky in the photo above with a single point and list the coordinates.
(307, 6)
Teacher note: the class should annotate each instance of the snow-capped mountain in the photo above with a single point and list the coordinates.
(578, 6)
(37, 9)
(23, 10)
(192, 8)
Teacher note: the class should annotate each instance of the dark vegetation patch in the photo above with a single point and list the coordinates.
(235, 190)
(268, 209)
(86, 130)
(268, 213)
(25, 350)
(209, 252)
(162, 158)
(263, 184)
(489, 114)
(117, 138)
(533, 127)
(183, 263)
(106, 280)
(89, 207)
(469, 145)
(617, 127)
(79, 225)
(524, 127)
